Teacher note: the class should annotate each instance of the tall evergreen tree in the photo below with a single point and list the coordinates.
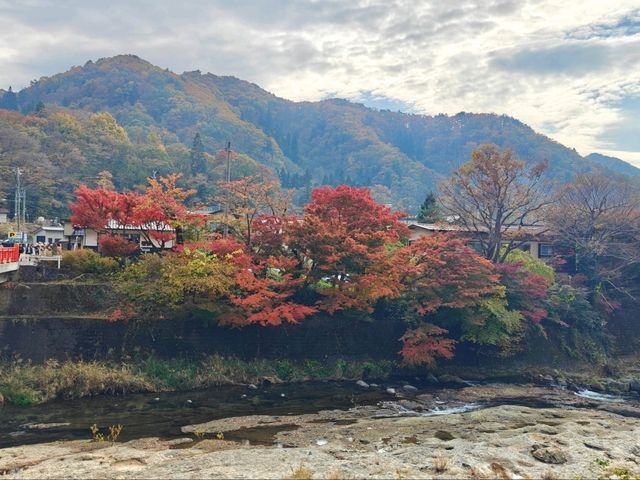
(429, 211)
(198, 160)
(9, 100)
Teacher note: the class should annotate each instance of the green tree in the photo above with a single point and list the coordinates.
(198, 160)
(429, 210)
(9, 100)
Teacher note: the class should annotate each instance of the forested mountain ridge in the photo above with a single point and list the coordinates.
(127, 116)
(614, 164)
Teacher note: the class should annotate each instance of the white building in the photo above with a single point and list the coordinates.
(89, 238)
(48, 235)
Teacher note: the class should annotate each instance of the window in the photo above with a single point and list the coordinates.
(525, 247)
(477, 246)
(41, 239)
(545, 250)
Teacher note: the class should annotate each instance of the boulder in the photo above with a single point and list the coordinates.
(549, 455)
(431, 378)
(615, 386)
(446, 378)
(362, 383)
(634, 385)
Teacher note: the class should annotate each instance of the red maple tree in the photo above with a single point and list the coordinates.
(344, 243)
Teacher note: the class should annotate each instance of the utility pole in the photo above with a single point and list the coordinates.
(226, 204)
(18, 209)
(20, 214)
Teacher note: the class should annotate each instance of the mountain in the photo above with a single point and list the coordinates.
(127, 116)
(614, 164)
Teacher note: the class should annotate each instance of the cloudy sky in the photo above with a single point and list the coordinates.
(569, 68)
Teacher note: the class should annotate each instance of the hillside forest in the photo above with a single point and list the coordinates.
(125, 116)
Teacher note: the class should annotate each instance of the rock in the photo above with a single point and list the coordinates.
(546, 378)
(321, 442)
(614, 386)
(635, 450)
(594, 445)
(282, 395)
(634, 385)
(374, 385)
(362, 383)
(1, 399)
(391, 391)
(446, 378)
(409, 388)
(179, 441)
(189, 401)
(623, 410)
(431, 378)
(549, 455)
(252, 386)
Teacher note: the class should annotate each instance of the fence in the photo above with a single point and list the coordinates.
(10, 254)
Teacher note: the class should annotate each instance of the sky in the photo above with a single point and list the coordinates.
(568, 68)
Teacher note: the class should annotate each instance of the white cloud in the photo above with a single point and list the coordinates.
(563, 67)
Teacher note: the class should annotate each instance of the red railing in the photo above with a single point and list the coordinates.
(9, 254)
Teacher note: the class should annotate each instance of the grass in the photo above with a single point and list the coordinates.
(23, 383)
(440, 463)
(302, 472)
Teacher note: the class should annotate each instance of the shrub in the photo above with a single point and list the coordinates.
(87, 261)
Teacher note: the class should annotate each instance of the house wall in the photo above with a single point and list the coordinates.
(50, 236)
(90, 238)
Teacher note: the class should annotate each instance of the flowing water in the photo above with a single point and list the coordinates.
(162, 415)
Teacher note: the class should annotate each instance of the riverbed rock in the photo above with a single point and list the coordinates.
(376, 441)
(495, 439)
(409, 388)
(452, 379)
(615, 386)
(431, 378)
(362, 383)
(549, 455)
(634, 385)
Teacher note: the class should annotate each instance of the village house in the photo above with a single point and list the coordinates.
(48, 234)
(4, 215)
(76, 237)
(536, 240)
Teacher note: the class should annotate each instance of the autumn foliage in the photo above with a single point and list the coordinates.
(345, 253)
(345, 241)
(424, 344)
(156, 213)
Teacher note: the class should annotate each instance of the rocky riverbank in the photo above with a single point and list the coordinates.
(502, 431)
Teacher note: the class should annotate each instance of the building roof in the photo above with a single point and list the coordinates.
(533, 230)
